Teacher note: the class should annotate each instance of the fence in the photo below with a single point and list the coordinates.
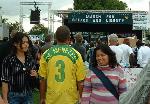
(138, 88)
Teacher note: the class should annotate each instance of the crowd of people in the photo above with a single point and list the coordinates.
(59, 71)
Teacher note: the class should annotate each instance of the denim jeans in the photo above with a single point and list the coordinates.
(20, 98)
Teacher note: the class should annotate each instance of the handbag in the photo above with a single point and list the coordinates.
(106, 82)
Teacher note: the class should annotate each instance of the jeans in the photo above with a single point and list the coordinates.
(20, 98)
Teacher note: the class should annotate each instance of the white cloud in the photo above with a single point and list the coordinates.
(66, 7)
(138, 5)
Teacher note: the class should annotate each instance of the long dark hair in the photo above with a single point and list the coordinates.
(18, 40)
(107, 50)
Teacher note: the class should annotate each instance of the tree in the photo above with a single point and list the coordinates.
(4, 20)
(14, 26)
(38, 29)
(99, 5)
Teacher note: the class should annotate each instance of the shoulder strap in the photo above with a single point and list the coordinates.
(107, 83)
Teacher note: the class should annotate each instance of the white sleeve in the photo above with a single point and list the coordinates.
(130, 50)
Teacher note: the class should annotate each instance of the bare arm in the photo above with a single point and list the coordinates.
(42, 91)
(80, 87)
(1, 101)
(5, 92)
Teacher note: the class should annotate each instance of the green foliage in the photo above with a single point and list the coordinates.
(38, 29)
(36, 97)
(99, 5)
(4, 20)
(148, 37)
(14, 26)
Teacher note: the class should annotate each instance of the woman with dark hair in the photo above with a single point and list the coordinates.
(112, 61)
(105, 80)
(17, 71)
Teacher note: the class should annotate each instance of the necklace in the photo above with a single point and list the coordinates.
(21, 59)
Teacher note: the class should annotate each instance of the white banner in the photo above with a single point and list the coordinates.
(140, 21)
(131, 76)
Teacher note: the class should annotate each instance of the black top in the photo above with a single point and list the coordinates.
(17, 74)
(5, 48)
(81, 49)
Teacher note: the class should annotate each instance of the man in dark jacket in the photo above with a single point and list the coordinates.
(5, 49)
(78, 45)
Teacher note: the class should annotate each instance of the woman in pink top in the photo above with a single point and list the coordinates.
(94, 91)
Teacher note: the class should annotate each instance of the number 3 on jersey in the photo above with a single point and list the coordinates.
(60, 66)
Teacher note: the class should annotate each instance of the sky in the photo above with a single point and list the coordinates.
(140, 5)
(11, 9)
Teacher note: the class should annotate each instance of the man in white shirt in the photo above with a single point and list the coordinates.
(113, 42)
(143, 55)
(128, 55)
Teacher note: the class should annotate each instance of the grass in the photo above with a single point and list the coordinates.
(36, 97)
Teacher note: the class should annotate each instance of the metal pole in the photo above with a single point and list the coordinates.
(50, 21)
(21, 18)
(0, 16)
(53, 22)
(49, 18)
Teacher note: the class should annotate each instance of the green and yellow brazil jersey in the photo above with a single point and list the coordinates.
(62, 66)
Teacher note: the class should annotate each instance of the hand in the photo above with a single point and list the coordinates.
(33, 73)
(42, 101)
(2, 102)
